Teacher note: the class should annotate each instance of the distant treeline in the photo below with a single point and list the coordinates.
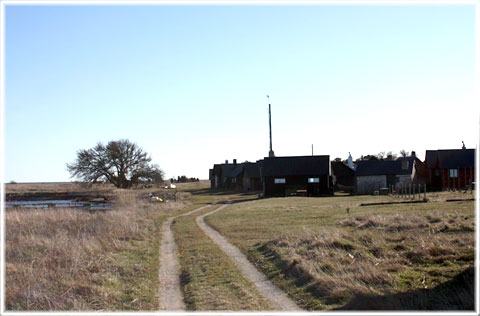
(182, 179)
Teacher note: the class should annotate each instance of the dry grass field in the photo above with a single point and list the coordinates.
(332, 253)
(326, 253)
(55, 190)
(71, 259)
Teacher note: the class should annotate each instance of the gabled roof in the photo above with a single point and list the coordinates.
(236, 171)
(232, 170)
(450, 158)
(456, 158)
(252, 170)
(296, 166)
(431, 158)
(383, 167)
(339, 168)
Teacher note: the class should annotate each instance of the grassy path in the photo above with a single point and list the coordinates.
(210, 280)
(277, 299)
(170, 295)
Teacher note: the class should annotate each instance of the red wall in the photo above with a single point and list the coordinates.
(463, 180)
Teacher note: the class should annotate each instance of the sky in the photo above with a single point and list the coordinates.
(189, 83)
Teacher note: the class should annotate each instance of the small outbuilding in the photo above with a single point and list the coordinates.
(309, 175)
(450, 168)
(372, 175)
(226, 175)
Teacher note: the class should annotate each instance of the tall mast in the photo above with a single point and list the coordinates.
(270, 153)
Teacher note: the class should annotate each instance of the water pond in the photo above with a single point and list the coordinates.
(58, 203)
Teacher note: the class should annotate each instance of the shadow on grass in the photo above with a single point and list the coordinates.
(456, 294)
(207, 191)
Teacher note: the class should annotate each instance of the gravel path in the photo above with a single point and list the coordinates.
(277, 298)
(170, 295)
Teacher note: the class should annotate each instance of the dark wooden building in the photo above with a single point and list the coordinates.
(450, 168)
(227, 175)
(284, 176)
(343, 176)
(252, 177)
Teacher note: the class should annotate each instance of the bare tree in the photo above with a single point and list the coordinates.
(381, 155)
(404, 153)
(119, 162)
(391, 155)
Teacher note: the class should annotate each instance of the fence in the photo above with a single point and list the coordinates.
(410, 191)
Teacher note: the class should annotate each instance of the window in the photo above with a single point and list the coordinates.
(453, 173)
(405, 164)
(280, 180)
(313, 180)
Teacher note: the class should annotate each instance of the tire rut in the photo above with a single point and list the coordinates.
(170, 293)
(277, 298)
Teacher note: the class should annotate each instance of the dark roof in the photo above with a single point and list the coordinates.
(450, 158)
(456, 158)
(236, 171)
(383, 167)
(232, 170)
(339, 168)
(252, 170)
(431, 158)
(296, 166)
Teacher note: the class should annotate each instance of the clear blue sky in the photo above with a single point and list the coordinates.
(189, 83)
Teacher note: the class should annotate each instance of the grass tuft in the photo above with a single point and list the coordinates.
(70, 259)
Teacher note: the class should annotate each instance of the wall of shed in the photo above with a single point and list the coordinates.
(294, 183)
(369, 184)
(465, 175)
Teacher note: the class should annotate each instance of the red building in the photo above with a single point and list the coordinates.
(450, 168)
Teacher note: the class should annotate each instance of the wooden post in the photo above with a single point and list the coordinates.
(425, 192)
(471, 178)
(448, 180)
(442, 180)
(413, 197)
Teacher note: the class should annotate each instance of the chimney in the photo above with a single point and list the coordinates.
(463, 145)
(413, 154)
(226, 162)
(389, 158)
(234, 161)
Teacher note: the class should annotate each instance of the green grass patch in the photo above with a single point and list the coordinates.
(210, 280)
(326, 252)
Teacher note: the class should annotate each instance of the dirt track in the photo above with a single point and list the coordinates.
(170, 294)
(277, 298)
